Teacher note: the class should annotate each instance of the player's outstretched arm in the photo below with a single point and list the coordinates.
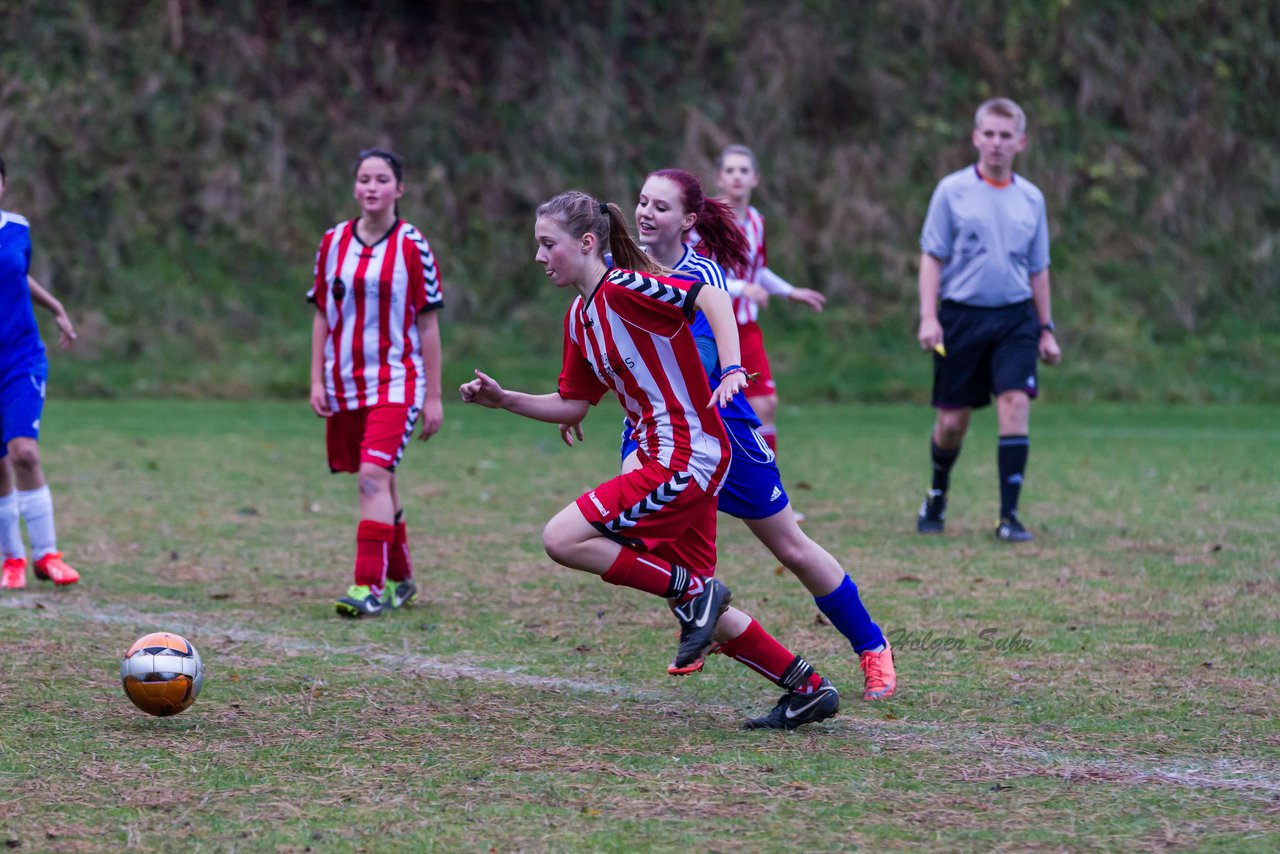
(41, 297)
(780, 287)
(552, 408)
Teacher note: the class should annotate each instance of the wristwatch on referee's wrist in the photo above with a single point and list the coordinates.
(1048, 326)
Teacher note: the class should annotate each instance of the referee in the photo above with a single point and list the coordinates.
(985, 309)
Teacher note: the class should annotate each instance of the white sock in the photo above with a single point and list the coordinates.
(37, 511)
(10, 527)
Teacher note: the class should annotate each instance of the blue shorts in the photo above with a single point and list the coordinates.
(21, 404)
(753, 487)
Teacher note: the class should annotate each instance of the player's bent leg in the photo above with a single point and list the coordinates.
(570, 540)
(809, 697)
(818, 571)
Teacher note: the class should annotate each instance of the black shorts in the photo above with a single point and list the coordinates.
(989, 351)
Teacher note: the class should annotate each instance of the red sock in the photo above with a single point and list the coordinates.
(399, 563)
(652, 575)
(758, 650)
(373, 541)
(770, 435)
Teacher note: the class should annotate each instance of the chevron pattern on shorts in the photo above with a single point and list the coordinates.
(653, 502)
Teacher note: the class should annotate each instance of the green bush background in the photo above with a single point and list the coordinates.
(179, 161)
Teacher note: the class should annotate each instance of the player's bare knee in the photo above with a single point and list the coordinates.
(556, 542)
(372, 484)
(25, 457)
(950, 427)
(792, 551)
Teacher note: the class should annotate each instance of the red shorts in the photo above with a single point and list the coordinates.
(371, 434)
(657, 510)
(751, 340)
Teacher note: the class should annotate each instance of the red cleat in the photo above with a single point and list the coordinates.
(53, 568)
(15, 573)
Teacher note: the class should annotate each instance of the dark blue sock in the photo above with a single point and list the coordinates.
(1011, 458)
(846, 612)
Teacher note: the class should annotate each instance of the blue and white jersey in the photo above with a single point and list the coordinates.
(21, 350)
(990, 239)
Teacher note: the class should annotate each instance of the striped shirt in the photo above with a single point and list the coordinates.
(757, 259)
(631, 337)
(371, 297)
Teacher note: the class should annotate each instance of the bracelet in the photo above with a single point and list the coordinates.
(732, 369)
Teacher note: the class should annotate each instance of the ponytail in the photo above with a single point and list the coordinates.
(720, 236)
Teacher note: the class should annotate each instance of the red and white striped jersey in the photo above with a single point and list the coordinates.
(631, 336)
(371, 297)
(753, 227)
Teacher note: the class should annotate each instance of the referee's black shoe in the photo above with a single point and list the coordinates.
(1010, 529)
(933, 513)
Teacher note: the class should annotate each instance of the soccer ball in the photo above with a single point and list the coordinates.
(161, 673)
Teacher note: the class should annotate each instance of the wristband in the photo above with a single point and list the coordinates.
(1048, 327)
(732, 369)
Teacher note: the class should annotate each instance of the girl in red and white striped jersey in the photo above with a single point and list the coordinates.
(737, 176)
(375, 369)
(652, 528)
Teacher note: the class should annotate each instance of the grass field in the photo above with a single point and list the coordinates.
(1112, 686)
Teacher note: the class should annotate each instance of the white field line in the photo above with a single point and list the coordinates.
(996, 757)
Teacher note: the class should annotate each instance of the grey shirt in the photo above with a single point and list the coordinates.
(991, 240)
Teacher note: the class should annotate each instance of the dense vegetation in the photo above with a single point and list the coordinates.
(180, 159)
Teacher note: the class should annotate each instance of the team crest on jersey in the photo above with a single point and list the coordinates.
(339, 289)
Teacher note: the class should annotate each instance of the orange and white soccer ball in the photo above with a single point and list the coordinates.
(162, 673)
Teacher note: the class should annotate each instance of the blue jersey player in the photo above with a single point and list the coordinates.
(23, 371)
(985, 309)
(670, 205)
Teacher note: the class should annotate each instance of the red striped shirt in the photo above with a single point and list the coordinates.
(371, 297)
(753, 227)
(631, 337)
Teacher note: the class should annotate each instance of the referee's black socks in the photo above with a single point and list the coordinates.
(1011, 458)
(943, 460)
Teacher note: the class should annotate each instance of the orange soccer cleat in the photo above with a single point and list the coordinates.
(880, 679)
(53, 568)
(15, 573)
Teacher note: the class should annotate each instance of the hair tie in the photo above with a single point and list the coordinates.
(604, 208)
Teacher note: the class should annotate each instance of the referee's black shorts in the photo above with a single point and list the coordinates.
(989, 351)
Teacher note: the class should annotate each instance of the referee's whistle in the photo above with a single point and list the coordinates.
(940, 350)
